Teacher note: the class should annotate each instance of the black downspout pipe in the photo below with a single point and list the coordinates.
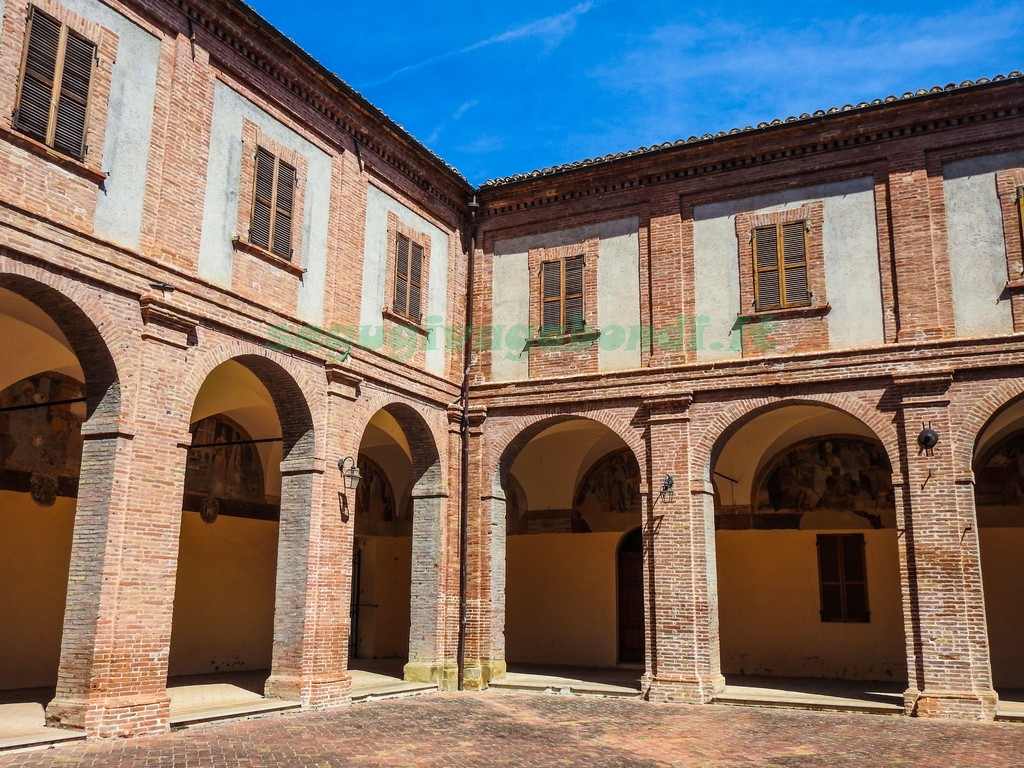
(467, 357)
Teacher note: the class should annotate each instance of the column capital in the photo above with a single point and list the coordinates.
(924, 390)
(341, 382)
(105, 429)
(164, 322)
(303, 466)
(668, 408)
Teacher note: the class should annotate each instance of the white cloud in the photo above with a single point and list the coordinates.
(550, 30)
(684, 70)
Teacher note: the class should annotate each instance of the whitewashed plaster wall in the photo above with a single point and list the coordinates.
(977, 251)
(375, 263)
(223, 180)
(618, 294)
(129, 125)
(852, 281)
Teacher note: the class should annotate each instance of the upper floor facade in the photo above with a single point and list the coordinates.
(892, 225)
(191, 145)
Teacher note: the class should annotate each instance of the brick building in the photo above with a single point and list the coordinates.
(695, 436)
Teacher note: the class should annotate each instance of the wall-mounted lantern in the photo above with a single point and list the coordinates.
(666, 489)
(928, 439)
(350, 476)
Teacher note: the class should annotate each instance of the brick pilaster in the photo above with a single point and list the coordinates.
(113, 670)
(679, 564)
(487, 539)
(427, 659)
(943, 604)
(315, 568)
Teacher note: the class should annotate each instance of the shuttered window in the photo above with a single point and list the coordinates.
(842, 574)
(1020, 212)
(561, 296)
(53, 93)
(273, 198)
(780, 266)
(408, 278)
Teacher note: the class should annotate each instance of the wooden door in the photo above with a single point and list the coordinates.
(631, 598)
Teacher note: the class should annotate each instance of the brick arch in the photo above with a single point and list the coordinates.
(96, 338)
(736, 415)
(987, 407)
(287, 382)
(514, 436)
(428, 475)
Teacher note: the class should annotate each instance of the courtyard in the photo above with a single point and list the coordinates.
(522, 729)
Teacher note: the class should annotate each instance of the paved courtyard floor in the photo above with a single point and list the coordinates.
(512, 729)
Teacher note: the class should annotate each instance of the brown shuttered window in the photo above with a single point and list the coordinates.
(53, 94)
(780, 266)
(273, 198)
(561, 296)
(408, 278)
(842, 572)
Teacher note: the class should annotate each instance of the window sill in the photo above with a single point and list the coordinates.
(558, 340)
(269, 256)
(1014, 286)
(78, 167)
(817, 310)
(394, 317)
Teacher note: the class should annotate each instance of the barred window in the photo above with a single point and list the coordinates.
(780, 266)
(408, 278)
(53, 90)
(561, 296)
(273, 198)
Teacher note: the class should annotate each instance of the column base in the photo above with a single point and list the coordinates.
(119, 717)
(320, 692)
(682, 689)
(952, 705)
(444, 673)
(493, 669)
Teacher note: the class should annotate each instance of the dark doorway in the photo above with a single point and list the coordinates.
(631, 598)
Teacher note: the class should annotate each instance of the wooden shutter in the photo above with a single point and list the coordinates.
(285, 197)
(843, 577)
(40, 70)
(855, 587)
(551, 297)
(415, 281)
(574, 294)
(263, 199)
(794, 249)
(401, 305)
(73, 100)
(53, 97)
(767, 285)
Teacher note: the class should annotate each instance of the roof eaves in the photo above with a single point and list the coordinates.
(335, 80)
(708, 138)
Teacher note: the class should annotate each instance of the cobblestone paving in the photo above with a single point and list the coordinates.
(536, 730)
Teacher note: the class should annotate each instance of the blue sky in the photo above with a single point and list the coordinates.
(503, 88)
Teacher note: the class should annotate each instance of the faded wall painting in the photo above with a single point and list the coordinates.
(224, 473)
(40, 436)
(378, 511)
(999, 481)
(821, 483)
(607, 498)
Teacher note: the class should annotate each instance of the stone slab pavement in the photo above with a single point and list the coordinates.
(523, 730)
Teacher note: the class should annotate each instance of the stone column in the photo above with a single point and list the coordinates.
(314, 566)
(679, 563)
(943, 603)
(112, 678)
